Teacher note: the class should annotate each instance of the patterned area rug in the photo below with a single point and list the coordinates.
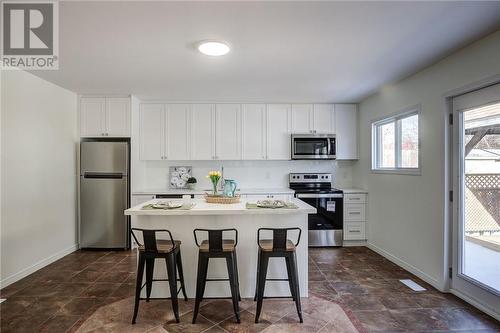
(216, 316)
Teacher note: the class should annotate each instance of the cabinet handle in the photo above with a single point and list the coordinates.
(354, 198)
(354, 213)
(355, 231)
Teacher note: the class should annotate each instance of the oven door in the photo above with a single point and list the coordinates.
(325, 227)
(312, 147)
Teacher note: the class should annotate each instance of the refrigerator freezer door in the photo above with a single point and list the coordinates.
(103, 223)
(104, 157)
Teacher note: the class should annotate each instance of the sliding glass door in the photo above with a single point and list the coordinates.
(476, 202)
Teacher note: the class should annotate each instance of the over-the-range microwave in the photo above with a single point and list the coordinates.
(313, 146)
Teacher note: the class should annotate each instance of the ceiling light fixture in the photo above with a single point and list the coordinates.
(213, 48)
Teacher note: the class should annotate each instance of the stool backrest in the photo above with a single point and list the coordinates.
(280, 236)
(149, 237)
(215, 239)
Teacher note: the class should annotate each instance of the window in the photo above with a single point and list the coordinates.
(396, 143)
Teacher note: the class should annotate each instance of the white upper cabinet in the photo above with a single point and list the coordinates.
(225, 131)
(151, 132)
(323, 118)
(104, 116)
(278, 124)
(311, 119)
(177, 133)
(228, 131)
(302, 118)
(253, 131)
(92, 117)
(202, 131)
(118, 117)
(346, 124)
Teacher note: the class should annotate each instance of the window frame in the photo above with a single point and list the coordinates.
(376, 152)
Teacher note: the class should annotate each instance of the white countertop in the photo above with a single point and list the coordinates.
(202, 191)
(353, 190)
(203, 208)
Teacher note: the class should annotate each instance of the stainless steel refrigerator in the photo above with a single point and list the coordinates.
(104, 193)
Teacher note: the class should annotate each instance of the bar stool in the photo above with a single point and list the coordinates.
(279, 246)
(151, 249)
(217, 247)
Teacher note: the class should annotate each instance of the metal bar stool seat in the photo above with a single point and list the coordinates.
(217, 247)
(152, 249)
(278, 246)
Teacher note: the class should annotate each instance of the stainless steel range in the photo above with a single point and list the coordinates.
(325, 227)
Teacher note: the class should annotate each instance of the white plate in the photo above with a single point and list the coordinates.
(270, 204)
(167, 204)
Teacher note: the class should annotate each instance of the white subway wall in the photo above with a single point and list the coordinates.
(248, 174)
(38, 171)
(407, 213)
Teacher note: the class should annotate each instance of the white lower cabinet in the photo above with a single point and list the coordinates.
(354, 231)
(355, 216)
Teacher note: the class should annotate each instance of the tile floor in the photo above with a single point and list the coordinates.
(64, 297)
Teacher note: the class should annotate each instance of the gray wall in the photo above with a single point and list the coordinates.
(406, 213)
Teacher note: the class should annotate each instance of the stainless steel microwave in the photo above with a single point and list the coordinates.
(313, 146)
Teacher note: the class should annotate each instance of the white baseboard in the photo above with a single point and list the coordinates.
(348, 243)
(33, 268)
(476, 304)
(410, 268)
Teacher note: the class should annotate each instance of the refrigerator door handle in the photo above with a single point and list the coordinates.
(101, 175)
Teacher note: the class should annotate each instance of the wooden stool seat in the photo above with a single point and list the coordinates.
(164, 246)
(228, 245)
(267, 245)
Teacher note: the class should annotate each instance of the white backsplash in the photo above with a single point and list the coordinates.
(248, 174)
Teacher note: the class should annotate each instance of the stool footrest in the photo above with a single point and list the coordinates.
(276, 279)
(271, 297)
(217, 280)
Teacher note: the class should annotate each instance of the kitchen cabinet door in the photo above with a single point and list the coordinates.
(302, 118)
(253, 128)
(118, 117)
(228, 131)
(202, 132)
(346, 129)
(177, 131)
(278, 125)
(92, 117)
(323, 118)
(151, 132)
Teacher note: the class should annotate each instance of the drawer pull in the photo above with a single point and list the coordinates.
(355, 231)
(354, 198)
(354, 213)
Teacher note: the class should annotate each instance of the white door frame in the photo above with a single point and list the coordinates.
(462, 286)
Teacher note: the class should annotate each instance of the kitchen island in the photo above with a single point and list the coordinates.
(203, 215)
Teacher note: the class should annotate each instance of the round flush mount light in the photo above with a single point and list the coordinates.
(213, 48)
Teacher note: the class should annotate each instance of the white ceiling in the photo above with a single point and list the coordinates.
(281, 51)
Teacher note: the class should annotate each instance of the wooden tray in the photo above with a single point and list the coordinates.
(219, 199)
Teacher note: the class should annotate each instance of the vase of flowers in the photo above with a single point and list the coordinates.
(214, 177)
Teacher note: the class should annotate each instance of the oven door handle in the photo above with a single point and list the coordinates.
(319, 195)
